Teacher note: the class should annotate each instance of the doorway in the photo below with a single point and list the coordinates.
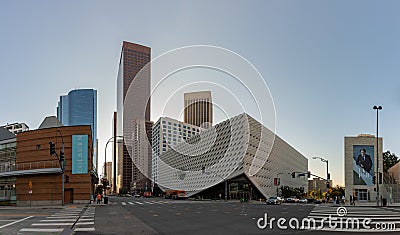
(69, 196)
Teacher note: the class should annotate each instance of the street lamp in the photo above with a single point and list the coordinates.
(277, 182)
(105, 160)
(327, 168)
(377, 108)
(203, 169)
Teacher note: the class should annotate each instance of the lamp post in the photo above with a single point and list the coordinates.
(277, 182)
(105, 160)
(377, 108)
(62, 167)
(327, 167)
(203, 169)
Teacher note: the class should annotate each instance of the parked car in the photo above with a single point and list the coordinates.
(274, 201)
(317, 201)
(292, 199)
(303, 200)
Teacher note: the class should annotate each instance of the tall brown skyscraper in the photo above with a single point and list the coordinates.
(198, 108)
(133, 107)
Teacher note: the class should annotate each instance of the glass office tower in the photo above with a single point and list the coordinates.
(79, 107)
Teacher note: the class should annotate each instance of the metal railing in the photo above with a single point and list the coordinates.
(9, 167)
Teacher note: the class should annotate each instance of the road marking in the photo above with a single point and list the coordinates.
(131, 203)
(62, 217)
(84, 223)
(57, 220)
(84, 229)
(139, 203)
(155, 215)
(52, 224)
(17, 221)
(149, 203)
(43, 230)
(123, 203)
(86, 219)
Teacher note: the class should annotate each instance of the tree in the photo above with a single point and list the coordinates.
(389, 160)
(337, 191)
(287, 191)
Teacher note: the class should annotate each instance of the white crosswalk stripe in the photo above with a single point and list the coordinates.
(54, 223)
(153, 202)
(67, 217)
(352, 219)
(86, 221)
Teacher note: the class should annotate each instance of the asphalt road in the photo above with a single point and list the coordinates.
(163, 216)
(127, 215)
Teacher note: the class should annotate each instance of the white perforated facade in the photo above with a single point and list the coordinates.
(167, 132)
(239, 146)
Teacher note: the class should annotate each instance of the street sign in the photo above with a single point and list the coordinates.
(30, 191)
(30, 185)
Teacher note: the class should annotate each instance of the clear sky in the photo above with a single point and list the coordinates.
(326, 62)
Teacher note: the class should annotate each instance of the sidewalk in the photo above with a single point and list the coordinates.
(41, 207)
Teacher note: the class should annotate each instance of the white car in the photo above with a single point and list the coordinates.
(274, 201)
(303, 200)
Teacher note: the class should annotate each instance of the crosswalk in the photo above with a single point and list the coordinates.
(360, 219)
(70, 218)
(155, 202)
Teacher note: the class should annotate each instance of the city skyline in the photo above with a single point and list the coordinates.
(325, 75)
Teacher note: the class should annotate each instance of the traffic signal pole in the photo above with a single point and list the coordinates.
(62, 159)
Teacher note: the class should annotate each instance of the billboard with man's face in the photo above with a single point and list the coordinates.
(363, 164)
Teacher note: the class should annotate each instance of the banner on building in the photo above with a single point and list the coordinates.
(80, 154)
(363, 164)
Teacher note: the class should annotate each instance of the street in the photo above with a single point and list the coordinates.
(128, 215)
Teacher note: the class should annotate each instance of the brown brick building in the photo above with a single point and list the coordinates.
(35, 165)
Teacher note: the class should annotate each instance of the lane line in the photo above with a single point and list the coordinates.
(6, 225)
(57, 220)
(84, 229)
(84, 223)
(123, 203)
(53, 224)
(140, 203)
(43, 230)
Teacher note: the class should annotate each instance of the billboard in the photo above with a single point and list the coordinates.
(80, 154)
(363, 164)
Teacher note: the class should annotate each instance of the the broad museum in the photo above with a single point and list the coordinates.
(238, 157)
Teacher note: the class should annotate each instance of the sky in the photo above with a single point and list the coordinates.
(326, 63)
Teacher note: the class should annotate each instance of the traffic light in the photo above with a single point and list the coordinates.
(293, 175)
(328, 185)
(62, 160)
(373, 179)
(309, 174)
(52, 148)
(329, 176)
(380, 178)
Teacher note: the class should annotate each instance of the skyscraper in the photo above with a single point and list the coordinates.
(198, 108)
(133, 118)
(79, 107)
